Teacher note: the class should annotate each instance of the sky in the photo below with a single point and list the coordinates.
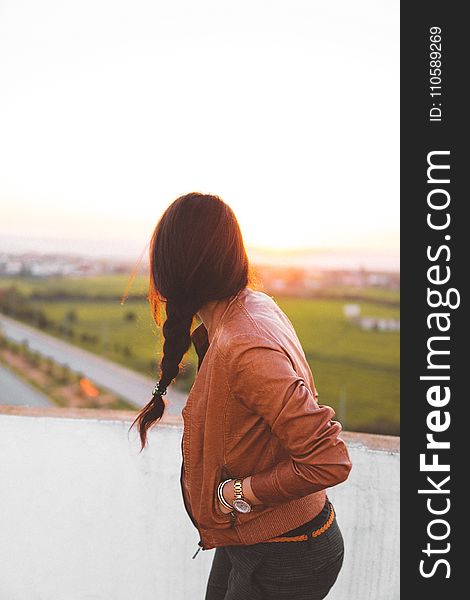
(110, 109)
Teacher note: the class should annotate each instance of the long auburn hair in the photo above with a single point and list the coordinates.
(197, 255)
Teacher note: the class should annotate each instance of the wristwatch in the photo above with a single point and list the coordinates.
(240, 503)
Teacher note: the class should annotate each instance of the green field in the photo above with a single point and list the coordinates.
(99, 285)
(356, 372)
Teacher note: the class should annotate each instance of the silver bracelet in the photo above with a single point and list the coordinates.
(220, 496)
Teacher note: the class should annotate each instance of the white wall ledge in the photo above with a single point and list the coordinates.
(368, 441)
(85, 515)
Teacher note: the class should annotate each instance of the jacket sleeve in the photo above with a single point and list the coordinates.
(261, 376)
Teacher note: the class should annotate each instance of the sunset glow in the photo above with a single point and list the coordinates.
(110, 110)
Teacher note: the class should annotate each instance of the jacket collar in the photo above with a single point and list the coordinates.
(200, 340)
(200, 337)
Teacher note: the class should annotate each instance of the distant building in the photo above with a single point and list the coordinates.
(351, 311)
(379, 324)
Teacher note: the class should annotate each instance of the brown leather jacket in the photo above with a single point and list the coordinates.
(252, 410)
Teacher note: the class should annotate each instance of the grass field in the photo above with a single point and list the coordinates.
(115, 285)
(99, 285)
(356, 372)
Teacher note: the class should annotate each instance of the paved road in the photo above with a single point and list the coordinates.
(133, 387)
(14, 390)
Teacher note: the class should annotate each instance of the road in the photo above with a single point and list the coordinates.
(14, 390)
(130, 385)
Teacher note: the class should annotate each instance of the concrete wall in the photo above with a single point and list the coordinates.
(84, 516)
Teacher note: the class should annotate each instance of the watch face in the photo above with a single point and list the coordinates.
(241, 505)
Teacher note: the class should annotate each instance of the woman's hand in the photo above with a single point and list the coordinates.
(223, 508)
(229, 494)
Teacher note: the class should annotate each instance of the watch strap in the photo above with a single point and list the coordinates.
(238, 489)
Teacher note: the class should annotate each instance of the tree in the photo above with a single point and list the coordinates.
(71, 316)
(65, 375)
(49, 362)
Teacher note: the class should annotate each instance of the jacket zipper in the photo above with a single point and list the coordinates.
(232, 524)
(233, 518)
(200, 544)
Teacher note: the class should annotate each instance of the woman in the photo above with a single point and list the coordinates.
(258, 450)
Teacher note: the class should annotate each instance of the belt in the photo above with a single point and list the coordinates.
(315, 533)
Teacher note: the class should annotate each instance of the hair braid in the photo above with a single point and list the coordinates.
(177, 336)
(177, 340)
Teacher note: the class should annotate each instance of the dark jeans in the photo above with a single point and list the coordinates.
(304, 570)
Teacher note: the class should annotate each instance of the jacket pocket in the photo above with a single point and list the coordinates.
(224, 473)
